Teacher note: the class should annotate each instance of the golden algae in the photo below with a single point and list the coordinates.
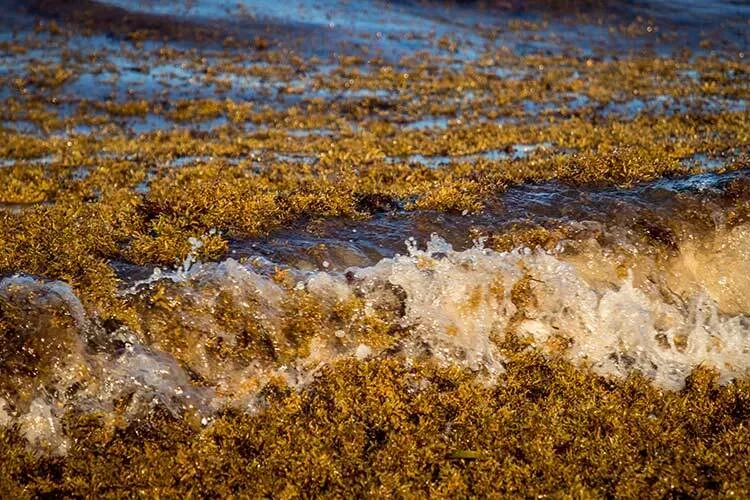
(592, 341)
(545, 428)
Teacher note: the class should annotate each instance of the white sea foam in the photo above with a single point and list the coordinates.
(450, 306)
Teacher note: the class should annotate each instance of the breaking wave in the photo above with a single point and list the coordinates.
(211, 335)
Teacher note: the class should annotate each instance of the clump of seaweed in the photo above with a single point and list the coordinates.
(546, 427)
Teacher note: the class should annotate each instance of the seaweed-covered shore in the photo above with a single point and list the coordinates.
(446, 249)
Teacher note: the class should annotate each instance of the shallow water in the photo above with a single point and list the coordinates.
(342, 243)
(646, 275)
(617, 304)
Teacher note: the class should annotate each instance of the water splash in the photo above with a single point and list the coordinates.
(209, 335)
